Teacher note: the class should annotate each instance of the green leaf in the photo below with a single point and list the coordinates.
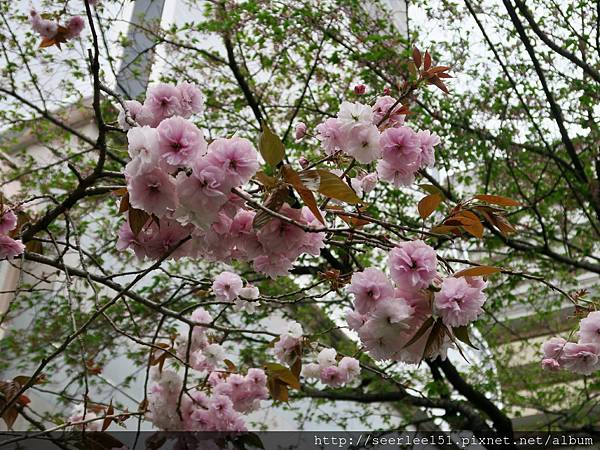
(333, 186)
(270, 146)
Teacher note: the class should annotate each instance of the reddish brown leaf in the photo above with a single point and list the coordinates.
(428, 204)
(497, 200)
(107, 420)
(439, 83)
(416, 55)
(477, 271)
(292, 177)
(137, 220)
(427, 62)
(124, 205)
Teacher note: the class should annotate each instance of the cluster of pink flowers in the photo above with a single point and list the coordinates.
(229, 287)
(369, 133)
(9, 247)
(162, 102)
(581, 357)
(289, 343)
(49, 29)
(178, 178)
(216, 405)
(330, 371)
(388, 311)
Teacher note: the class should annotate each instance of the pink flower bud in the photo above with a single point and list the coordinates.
(387, 91)
(303, 162)
(360, 89)
(300, 130)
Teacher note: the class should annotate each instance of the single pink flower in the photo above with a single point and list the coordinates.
(413, 264)
(237, 157)
(581, 358)
(180, 142)
(369, 287)
(589, 328)
(227, 286)
(153, 191)
(10, 247)
(162, 101)
(75, 27)
(8, 221)
(457, 303)
(190, 99)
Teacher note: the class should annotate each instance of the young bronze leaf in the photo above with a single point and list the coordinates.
(293, 178)
(270, 146)
(477, 271)
(333, 186)
(427, 60)
(266, 180)
(426, 326)
(475, 229)
(462, 333)
(124, 205)
(274, 202)
(416, 55)
(428, 204)
(497, 200)
(137, 220)
(107, 420)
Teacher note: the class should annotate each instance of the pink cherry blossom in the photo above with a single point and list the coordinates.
(333, 376)
(427, 141)
(142, 144)
(227, 286)
(402, 175)
(164, 238)
(43, 27)
(191, 100)
(8, 221)
(352, 114)
(458, 303)
(332, 135)
(589, 328)
(554, 348)
(380, 110)
(368, 182)
(300, 130)
(153, 191)
(400, 147)
(351, 366)
(162, 101)
(550, 364)
(413, 264)
(140, 114)
(363, 143)
(180, 142)
(369, 287)
(74, 27)
(201, 193)
(581, 358)
(237, 157)
(10, 247)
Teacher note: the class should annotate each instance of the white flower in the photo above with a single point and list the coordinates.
(326, 357)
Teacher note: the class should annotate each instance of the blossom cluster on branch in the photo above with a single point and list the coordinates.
(9, 247)
(184, 185)
(216, 404)
(583, 356)
(413, 313)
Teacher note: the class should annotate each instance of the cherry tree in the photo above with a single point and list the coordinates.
(270, 224)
